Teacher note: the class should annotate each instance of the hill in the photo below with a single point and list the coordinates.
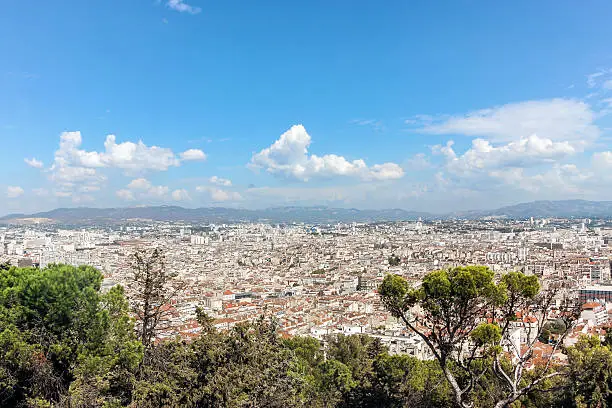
(315, 215)
(311, 215)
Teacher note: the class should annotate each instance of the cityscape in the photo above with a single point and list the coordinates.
(319, 204)
(321, 280)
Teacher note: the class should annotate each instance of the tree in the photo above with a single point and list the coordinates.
(152, 292)
(394, 260)
(467, 320)
(106, 370)
(357, 352)
(57, 332)
(589, 376)
(405, 381)
(248, 366)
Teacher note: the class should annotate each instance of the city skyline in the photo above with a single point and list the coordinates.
(198, 104)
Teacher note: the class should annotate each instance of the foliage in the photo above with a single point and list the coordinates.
(590, 374)
(59, 335)
(394, 260)
(65, 344)
(151, 292)
(465, 317)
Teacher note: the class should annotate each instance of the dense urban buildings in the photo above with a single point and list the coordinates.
(317, 280)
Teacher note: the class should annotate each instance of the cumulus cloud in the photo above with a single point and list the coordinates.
(136, 156)
(565, 179)
(193, 155)
(139, 184)
(73, 166)
(126, 155)
(68, 176)
(180, 195)
(14, 191)
(141, 188)
(220, 195)
(220, 181)
(33, 162)
(125, 195)
(527, 152)
(288, 156)
(554, 119)
(182, 7)
(158, 191)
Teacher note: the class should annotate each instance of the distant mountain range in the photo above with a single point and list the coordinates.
(314, 215)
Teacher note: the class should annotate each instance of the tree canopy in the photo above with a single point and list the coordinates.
(467, 319)
(63, 343)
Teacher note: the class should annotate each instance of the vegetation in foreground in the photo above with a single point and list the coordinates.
(64, 344)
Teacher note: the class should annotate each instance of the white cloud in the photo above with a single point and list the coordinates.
(220, 195)
(289, 156)
(554, 119)
(83, 198)
(136, 156)
(139, 184)
(158, 191)
(40, 192)
(62, 194)
(603, 161)
(607, 84)
(126, 155)
(74, 167)
(360, 195)
(181, 6)
(376, 125)
(33, 162)
(67, 170)
(386, 171)
(220, 181)
(125, 195)
(419, 161)
(180, 195)
(482, 156)
(145, 189)
(193, 155)
(597, 78)
(564, 179)
(89, 189)
(304, 194)
(14, 191)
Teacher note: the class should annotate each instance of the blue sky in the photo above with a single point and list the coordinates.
(435, 106)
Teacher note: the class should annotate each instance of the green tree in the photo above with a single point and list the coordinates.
(55, 327)
(465, 318)
(249, 366)
(151, 288)
(405, 381)
(357, 352)
(106, 368)
(394, 260)
(589, 376)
